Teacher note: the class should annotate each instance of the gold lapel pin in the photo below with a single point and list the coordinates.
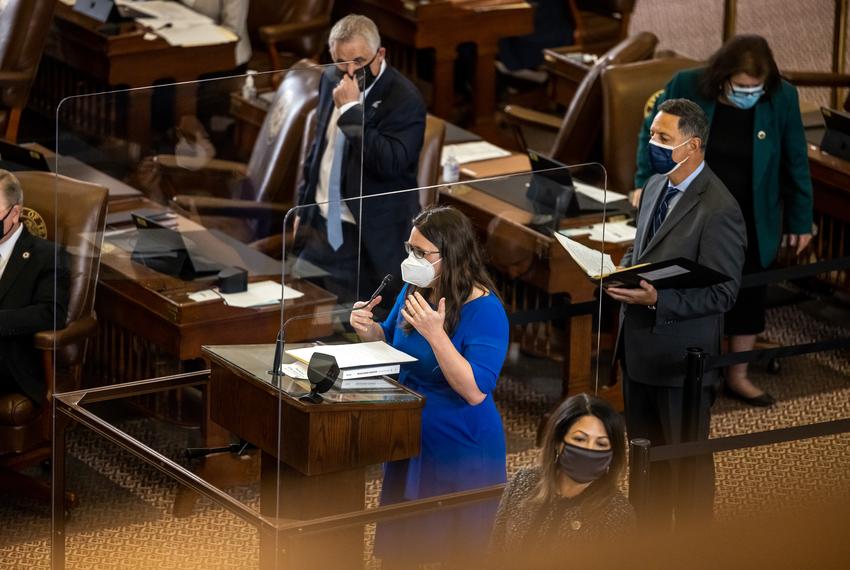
(762, 135)
(26, 255)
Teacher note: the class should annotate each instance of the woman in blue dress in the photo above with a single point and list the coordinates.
(450, 318)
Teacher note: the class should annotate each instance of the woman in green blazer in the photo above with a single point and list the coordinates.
(757, 147)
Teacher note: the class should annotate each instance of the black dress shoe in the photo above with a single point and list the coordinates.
(763, 400)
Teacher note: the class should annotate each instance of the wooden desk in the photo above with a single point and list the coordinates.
(521, 254)
(314, 456)
(80, 58)
(443, 25)
(147, 320)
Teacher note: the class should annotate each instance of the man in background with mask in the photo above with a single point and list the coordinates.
(685, 211)
(32, 294)
(365, 108)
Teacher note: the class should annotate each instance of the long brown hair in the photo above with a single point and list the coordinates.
(558, 426)
(747, 53)
(461, 259)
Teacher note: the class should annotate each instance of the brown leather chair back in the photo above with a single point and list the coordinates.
(577, 139)
(429, 159)
(73, 214)
(629, 93)
(272, 172)
(264, 12)
(23, 32)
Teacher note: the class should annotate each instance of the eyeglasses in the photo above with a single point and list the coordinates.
(417, 252)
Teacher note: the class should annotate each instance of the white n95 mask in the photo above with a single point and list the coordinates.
(418, 272)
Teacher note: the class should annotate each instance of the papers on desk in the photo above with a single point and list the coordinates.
(595, 263)
(373, 355)
(258, 294)
(614, 232)
(193, 35)
(179, 25)
(598, 194)
(472, 152)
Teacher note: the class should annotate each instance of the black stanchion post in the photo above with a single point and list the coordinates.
(692, 394)
(639, 476)
(691, 402)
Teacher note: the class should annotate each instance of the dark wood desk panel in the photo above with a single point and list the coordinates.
(443, 25)
(831, 185)
(81, 59)
(313, 456)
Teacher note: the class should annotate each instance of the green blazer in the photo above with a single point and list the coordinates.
(781, 181)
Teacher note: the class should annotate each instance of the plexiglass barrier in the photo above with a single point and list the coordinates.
(453, 305)
(170, 201)
(189, 214)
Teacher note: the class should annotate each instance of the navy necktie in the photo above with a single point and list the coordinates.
(663, 207)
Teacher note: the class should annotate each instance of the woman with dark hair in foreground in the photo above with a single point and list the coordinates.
(572, 493)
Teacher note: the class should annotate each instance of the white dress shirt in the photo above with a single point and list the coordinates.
(328, 155)
(7, 247)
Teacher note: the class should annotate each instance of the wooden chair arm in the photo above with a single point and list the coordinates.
(212, 206)
(817, 78)
(15, 78)
(214, 164)
(75, 332)
(523, 116)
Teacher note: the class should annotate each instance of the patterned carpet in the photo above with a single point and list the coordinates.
(124, 520)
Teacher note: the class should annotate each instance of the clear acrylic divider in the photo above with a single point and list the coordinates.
(339, 423)
(168, 200)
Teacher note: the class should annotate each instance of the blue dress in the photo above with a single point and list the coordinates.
(462, 446)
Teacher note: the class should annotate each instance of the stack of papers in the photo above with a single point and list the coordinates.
(179, 25)
(472, 152)
(600, 195)
(614, 232)
(258, 294)
(355, 355)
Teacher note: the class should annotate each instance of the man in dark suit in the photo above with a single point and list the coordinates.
(33, 294)
(365, 108)
(685, 211)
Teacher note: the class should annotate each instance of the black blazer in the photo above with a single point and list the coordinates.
(706, 226)
(391, 137)
(33, 298)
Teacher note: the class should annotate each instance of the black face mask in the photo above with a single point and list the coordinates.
(365, 77)
(584, 465)
(3, 223)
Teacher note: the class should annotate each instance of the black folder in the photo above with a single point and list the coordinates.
(678, 273)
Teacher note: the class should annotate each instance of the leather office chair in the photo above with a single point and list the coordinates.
(259, 193)
(629, 93)
(23, 32)
(25, 428)
(578, 131)
(599, 24)
(300, 32)
(429, 160)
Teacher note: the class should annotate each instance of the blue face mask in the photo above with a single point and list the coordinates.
(661, 157)
(744, 97)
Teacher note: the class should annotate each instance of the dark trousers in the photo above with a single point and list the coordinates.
(655, 413)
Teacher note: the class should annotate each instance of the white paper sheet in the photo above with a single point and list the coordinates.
(593, 262)
(598, 194)
(355, 355)
(472, 152)
(258, 294)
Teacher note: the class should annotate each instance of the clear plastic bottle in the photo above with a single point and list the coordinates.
(451, 168)
(249, 90)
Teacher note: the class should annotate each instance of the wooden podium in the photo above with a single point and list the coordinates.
(313, 456)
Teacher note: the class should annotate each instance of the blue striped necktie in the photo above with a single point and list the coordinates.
(663, 207)
(334, 194)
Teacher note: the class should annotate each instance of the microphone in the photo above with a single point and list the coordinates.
(384, 282)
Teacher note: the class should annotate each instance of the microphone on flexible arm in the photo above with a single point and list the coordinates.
(279, 341)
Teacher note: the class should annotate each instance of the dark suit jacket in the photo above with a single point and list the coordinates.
(782, 187)
(391, 138)
(33, 298)
(706, 226)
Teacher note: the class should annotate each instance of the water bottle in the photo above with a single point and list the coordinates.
(249, 90)
(451, 168)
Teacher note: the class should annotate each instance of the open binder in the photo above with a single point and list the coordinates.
(677, 273)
